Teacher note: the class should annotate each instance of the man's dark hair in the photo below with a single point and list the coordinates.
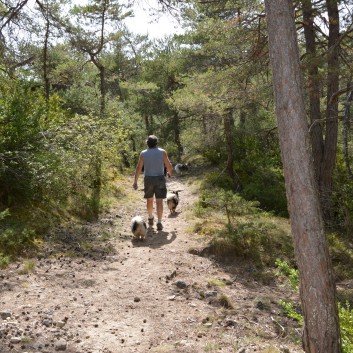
(152, 141)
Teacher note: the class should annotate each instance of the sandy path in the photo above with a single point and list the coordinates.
(98, 292)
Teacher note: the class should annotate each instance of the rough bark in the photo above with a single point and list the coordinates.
(346, 125)
(329, 160)
(313, 86)
(317, 289)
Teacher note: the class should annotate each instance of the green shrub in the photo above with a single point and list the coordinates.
(346, 324)
(4, 214)
(267, 187)
(240, 228)
(289, 310)
(4, 261)
(218, 180)
(227, 202)
(289, 272)
(50, 159)
(14, 240)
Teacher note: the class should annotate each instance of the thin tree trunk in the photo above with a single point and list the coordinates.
(103, 90)
(45, 63)
(317, 288)
(102, 83)
(45, 13)
(313, 86)
(97, 187)
(176, 125)
(241, 151)
(229, 133)
(133, 144)
(148, 123)
(331, 133)
(346, 124)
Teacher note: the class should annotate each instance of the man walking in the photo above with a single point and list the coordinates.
(153, 160)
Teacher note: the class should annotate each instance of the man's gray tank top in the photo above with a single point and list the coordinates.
(153, 161)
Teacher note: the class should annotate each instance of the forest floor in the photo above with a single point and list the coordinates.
(91, 289)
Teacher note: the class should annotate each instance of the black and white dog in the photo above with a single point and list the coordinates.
(181, 168)
(172, 200)
(138, 228)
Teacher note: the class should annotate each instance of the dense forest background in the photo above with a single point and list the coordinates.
(80, 92)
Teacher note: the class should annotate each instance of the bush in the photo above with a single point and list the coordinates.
(228, 202)
(21, 114)
(218, 180)
(240, 228)
(4, 261)
(289, 272)
(48, 156)
(289, 310)
(346, 324)
(15, 240)
(267, 187)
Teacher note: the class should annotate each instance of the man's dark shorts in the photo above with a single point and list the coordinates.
(155, 185)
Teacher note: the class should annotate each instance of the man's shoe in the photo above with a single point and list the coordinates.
(150, 221)
(159, 226)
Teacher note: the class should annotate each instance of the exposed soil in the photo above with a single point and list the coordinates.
(91, 289)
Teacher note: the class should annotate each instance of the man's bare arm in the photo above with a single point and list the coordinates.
(138, 171)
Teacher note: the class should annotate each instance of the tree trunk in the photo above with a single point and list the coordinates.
(346, 124)
(241, 146)
(97, 187)
(176, 126)
(103, 90)
(148, 123)
(229, 133)
(313, 86)
(45, 64)
(317, 289)
(331, 133)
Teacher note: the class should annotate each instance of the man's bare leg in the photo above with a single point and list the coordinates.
(159, 206)
(150, 207)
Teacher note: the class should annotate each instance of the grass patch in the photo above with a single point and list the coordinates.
(106, 236)
(270, 349)
(27, 267)
(211, 347)
(225, 302)
(216, 283)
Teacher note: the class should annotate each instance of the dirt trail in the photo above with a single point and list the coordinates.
(93, 290)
